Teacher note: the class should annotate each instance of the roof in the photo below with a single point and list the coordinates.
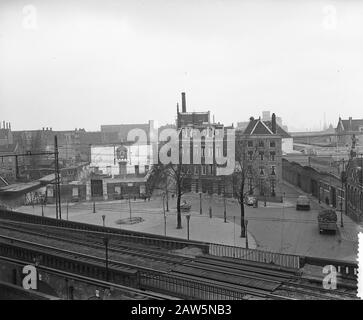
(279, 130)
(257, 126)
(350, 124)
(119, 132)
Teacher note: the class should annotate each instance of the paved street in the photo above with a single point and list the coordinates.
(276, 227)
(280, 228)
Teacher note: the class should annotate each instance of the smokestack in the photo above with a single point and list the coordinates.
(184, 103)
(273, 121)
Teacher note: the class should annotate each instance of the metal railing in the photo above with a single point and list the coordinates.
(283, 260)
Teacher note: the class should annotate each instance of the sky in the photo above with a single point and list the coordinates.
(79, 64)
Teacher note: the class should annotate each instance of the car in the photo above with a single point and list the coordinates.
(185, 207)
(251, 200)
(303, 203)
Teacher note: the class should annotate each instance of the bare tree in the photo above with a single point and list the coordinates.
(245, 176)
(172, 179)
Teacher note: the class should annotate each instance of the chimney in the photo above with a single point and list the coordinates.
(350, 123)
(9, 125)
(184, 103)
(177, 108)
(273, 123)
(3, 124)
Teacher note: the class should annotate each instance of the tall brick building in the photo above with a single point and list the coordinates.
(262, 148)
(204, 176)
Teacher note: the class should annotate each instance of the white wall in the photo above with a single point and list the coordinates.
(105, 159)
(287, 145)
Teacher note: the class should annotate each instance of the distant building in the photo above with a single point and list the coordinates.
(7, 147)
(346, 128)
(118, 133)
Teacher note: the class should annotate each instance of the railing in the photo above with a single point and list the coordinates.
(283, 260)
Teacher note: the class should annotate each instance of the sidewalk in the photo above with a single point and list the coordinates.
(202, 228)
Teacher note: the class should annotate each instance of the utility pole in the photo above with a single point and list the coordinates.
(164, 215)
(57, 179)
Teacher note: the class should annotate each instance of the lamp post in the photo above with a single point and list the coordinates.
(67, 210)
(130, 205)
(200, 203)
(246, 222)
(225, 209)
(188, 219)
(105, 242)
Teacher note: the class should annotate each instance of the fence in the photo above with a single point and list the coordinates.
(188, 289)
(283, 260)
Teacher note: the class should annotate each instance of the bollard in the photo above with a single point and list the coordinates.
(103, 220)
(210, 212)
(94, 207)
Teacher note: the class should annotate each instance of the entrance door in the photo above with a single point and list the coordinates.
(96, 188)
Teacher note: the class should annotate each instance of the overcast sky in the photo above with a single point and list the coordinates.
(79, 64)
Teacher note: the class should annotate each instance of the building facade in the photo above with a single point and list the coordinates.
(261, 147)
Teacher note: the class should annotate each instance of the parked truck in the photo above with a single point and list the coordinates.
(327, 220)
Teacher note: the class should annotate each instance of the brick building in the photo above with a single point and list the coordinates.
(204, 175)
(261, 146)
(354, 181)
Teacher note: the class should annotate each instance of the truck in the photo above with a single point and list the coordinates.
(327, 220)
(303, 203)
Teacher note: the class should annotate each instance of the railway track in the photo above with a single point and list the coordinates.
(90, 240)
(254, 279)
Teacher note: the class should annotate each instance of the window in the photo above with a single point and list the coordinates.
(196, 171)
(75, 192)
(272, 144)
(261, 156)
(146, 168)
(250, 144)
(262, 171)
(203, 151)
(211, 169)
(250, 155)
(273, 170)
(272, 156)
(204, 170)
(261, 144)
(136, 169)
(272, 188)
(250, 187)
(118, 189)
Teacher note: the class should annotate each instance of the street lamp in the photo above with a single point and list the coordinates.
(225, 209)
(246, 222)
(105, 242)
(188, 219)
(200, 203)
